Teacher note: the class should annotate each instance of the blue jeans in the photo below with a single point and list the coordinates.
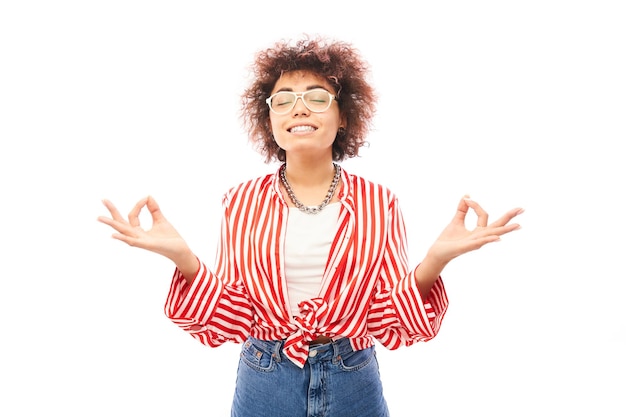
(335, 382)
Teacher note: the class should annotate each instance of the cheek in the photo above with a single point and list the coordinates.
(272, 124)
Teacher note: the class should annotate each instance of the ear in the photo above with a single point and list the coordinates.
(344, 122)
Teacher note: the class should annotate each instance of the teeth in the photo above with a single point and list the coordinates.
(296, 129)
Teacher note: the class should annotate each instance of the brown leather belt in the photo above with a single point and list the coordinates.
(320, 340)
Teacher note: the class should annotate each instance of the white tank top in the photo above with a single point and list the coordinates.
(307, 246)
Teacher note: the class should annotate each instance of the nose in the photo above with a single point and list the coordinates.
(299, 107)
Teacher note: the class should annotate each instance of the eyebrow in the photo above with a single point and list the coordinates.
(310, 87)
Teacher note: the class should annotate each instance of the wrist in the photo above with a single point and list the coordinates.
(434, 262)
(187, 263)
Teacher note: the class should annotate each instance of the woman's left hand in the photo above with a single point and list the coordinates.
(456, 239)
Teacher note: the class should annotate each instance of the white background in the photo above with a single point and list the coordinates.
(515, 103)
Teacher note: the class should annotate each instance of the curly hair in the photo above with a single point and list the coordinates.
(336, 61)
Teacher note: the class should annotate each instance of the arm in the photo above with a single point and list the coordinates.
(211, 310)
(456, 240)
(409, 307)
(162, 238)
(400, 313)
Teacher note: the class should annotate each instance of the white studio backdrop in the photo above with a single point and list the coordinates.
(515, 103)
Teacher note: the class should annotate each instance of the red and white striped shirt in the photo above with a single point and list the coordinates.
(367, 289)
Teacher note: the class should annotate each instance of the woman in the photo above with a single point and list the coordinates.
(312, 264)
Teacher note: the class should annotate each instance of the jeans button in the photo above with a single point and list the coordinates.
(313, 353)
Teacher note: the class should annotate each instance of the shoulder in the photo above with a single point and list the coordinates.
(361, 187)
(250, 189)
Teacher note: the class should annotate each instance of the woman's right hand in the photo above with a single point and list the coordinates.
(162, 238)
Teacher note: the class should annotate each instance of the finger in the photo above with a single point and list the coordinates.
(495, 232)
(461, 210)
(507, 229)
(121, 227)
(482, 215)
(133, 216)
(115, 214)
(155, 210)
(129, 240)
(480, 242)
(507, 217)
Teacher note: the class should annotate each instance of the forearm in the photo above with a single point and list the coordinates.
(427, 273)
(188, 264)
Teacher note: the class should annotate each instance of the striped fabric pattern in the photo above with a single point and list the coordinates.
(367, 292)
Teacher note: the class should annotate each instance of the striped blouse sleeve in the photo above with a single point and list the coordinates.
(213, 309)
(399, 315)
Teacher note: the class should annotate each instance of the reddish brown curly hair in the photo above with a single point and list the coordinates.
(336, 61)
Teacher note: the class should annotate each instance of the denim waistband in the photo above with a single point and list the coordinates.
(319, 352)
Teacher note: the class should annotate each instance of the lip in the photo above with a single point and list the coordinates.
(289, 128)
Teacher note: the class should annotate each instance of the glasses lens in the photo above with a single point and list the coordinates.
(282, 101)
(317, 100)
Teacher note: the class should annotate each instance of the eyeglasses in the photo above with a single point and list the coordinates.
(317, 100)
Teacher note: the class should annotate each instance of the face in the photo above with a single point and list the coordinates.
(302, 132)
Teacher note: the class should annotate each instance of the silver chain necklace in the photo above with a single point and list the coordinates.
(302, 207)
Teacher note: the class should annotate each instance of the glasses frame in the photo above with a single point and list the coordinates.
(301, 97)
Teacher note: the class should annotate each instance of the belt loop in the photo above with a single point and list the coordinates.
(336, 350)
(277, 348)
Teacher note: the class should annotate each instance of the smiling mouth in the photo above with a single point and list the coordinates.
(302, 129)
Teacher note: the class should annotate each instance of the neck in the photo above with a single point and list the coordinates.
(309, 173)
(310, 192)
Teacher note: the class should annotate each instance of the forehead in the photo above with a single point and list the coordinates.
(301, 81)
